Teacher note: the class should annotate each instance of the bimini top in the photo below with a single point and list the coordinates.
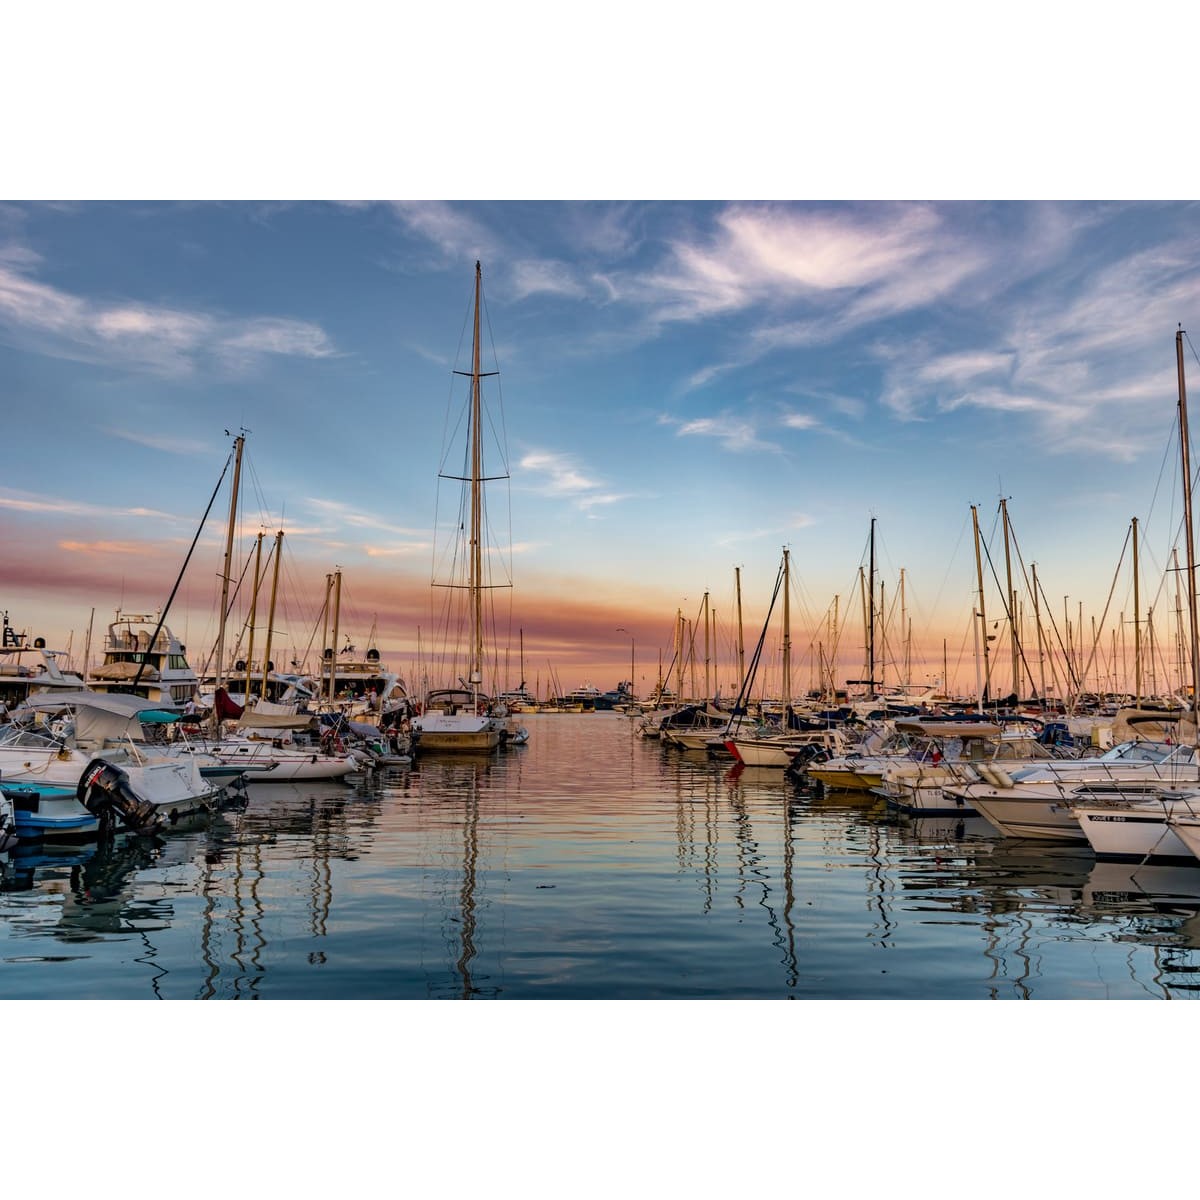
(100, 715)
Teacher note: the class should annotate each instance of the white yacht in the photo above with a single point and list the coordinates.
(20, 679)
(142, 657)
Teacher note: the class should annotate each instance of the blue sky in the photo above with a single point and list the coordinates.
(687, 386)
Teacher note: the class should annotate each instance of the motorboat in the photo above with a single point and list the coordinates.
(1040, 800)
(56, 737)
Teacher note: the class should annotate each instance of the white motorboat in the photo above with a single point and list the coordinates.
(1039, 800)
(1140, 830)
(78, 728)
(953, 754)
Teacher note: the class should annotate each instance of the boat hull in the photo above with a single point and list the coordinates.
(1027, 817)
(1132, 834)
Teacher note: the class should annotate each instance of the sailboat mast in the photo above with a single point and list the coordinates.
(871, 622)
(1137, 628)
(987, 666)
(475, 676)
(707, 652)
(253, 612)
(1189, 537)
(737, 576)
(271, 615)
(238, 443)
(337, 616)
(787, 641)
(1011, 605)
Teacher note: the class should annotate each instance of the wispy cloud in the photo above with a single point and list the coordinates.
(29, 503)
(128, 549)
(161, 441)
(734, 433)
(165, 340)
(335, 512)
(530, 277)
(453, 230)
(560, 477)
(882, 259)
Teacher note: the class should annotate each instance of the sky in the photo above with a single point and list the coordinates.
(686, 388)
(913, 309)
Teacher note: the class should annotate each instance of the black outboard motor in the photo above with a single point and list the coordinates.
(105, 792)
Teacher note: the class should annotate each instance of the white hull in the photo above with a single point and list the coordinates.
(1187, 830)
(173, 785)
(762, 752)
(1026, 816)
(1134, 831)
(267, 763)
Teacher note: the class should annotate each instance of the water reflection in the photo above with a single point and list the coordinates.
(590, 864)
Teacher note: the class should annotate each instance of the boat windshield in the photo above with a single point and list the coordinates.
(1147, 752)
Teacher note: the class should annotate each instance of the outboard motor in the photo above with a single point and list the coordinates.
(105, 792)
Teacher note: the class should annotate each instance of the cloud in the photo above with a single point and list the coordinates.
(797, 420)
(131, 549)
(27, 503)
(530, 277)
(449, 227)
(734, 433)
(343, 514)
(163, 442)
(171, 341)
(879, 259)
(560, 476)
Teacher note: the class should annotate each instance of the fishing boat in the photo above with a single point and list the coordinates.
(461, 717)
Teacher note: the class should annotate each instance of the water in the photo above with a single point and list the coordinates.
(589, 864)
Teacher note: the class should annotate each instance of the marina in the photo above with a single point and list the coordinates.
(588, 864)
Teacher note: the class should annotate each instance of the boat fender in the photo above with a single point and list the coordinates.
(1001, 777)
(989, 776)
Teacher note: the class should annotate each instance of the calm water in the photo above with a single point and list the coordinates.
(589, 864)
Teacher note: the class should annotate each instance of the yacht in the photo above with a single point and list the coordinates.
(19, 680)
(142, 657)
(1041, 800)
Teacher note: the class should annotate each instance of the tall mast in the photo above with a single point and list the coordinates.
(987, 668)
(1186, 464)
(475, 676)
(253, 611)
(271, 614)
(787, 641)
(1037, 620)
(871, 622)
(1137, 629)
(238, 443)
(737, 576)
(337, 616)
(1011, 605)
(707, 653)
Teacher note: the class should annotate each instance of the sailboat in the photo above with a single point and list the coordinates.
(462, 717)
